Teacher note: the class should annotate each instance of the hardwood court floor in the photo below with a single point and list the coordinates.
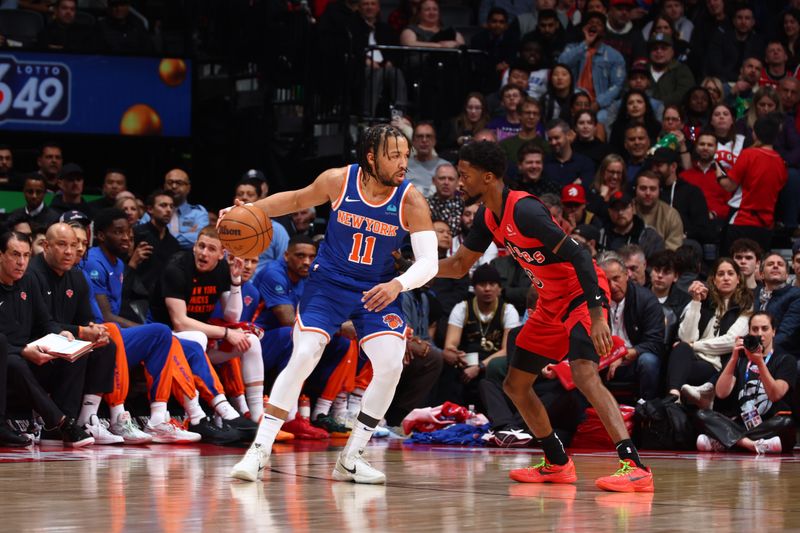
(186, 489)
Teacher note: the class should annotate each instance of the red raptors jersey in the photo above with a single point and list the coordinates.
(554, 278)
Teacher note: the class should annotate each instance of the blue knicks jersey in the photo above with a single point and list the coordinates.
(361, 236)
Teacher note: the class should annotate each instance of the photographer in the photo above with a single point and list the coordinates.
(759, 377)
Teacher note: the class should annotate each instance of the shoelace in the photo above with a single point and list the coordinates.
(541, 464)
(624, 469)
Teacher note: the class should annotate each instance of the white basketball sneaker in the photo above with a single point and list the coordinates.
(98, 429)
(125, 427)
(252, 464)
(358, 471)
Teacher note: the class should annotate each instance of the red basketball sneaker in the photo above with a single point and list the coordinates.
(629, 478)
(544, 472)
(301, 428)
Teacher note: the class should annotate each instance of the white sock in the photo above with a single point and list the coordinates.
(116, 411)
(240, 403)
(223, 408)
(354, 402)
(358, 440)
(255, 400)
(267, 431)
(158, 413)
(91, 402)
(292, 413)
(322, 407)
(339, 405)
(193, 409)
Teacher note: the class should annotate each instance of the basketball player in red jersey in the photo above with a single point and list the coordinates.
(569, 320)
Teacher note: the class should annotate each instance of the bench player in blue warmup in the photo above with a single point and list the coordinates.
(353, 277)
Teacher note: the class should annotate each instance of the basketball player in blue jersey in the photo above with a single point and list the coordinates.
(353, 277)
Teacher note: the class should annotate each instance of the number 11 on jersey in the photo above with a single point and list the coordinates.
(355, 254)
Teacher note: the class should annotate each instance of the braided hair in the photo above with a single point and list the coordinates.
(372, 140)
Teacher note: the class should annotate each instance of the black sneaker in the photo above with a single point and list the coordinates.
(245, 426)
(216, 435)
(10, 438)
(72, 435)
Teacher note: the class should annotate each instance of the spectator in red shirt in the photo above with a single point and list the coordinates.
(703, 175)
(757, 178)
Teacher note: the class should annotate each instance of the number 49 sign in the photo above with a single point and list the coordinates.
(33, 91)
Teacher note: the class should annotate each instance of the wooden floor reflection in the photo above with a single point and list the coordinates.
(186, 489)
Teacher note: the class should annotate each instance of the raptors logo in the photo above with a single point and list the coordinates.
(392, 320)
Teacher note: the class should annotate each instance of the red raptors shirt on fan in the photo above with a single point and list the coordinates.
(530, 233)
(761, 174)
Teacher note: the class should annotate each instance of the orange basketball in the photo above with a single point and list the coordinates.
(245, 231)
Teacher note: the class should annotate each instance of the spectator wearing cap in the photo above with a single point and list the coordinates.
(477, 333)
(573, 198)
(121, 32)
(656, 213)
(727, 50)
(530, 159)
(70, 184)
(34, 191)
(596, 67)
(114, 182)
(445, 203)
(588, 236)
(639, 79)
(620, 32)
(687, 199)
(258, 179)
(624, 226)
(563, 165)
(671, 79)
(187, 219)
(635, 316)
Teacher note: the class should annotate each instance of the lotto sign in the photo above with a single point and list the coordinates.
(95, 94)
(34, 92)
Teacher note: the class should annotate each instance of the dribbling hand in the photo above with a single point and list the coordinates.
(223, 212)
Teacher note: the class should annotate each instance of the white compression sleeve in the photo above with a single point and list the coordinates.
(426, 260)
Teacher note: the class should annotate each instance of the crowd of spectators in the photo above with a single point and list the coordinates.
(663, 138)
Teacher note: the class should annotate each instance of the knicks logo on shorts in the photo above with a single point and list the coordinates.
(392, 320)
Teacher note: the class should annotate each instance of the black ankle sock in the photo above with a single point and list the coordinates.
(554, 450)
(627, 450)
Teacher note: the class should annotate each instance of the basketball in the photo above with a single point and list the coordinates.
(245, 231)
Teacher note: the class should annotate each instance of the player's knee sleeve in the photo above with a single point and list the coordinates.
(252, 363)
(308, 348)
(386, 354)
(195, 336)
